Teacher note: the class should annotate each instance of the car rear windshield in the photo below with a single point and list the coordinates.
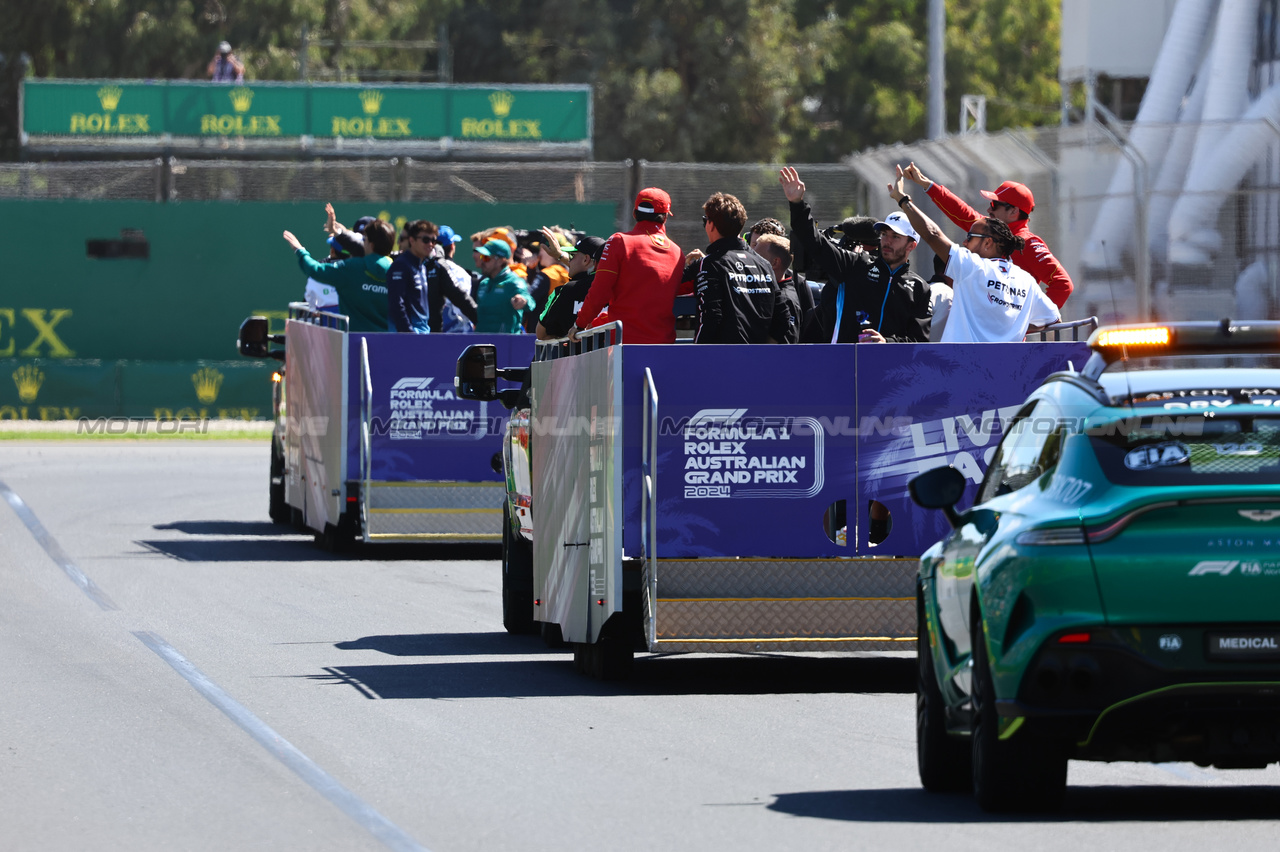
(1189, 449)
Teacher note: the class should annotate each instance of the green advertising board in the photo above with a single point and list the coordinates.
(387, 112)
(207, 109)
(520, 115)
(106, 108)
(89, 108)
(155, 336)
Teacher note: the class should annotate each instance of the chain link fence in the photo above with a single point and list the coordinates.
(1173, 242)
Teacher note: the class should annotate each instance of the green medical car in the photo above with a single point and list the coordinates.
(1114, 591)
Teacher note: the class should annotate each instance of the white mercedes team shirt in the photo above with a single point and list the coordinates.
(995, 301)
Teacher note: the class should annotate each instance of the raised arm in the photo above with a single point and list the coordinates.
(928, 229)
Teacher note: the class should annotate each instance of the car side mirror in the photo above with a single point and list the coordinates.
(477, 373)
(939, 488)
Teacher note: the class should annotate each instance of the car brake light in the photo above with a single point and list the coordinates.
(1073, 638)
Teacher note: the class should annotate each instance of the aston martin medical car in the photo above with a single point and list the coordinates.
(1114, 591)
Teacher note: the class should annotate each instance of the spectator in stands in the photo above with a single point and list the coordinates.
(566, 301)
(452, 319)
(501, 296)
(225, 67)
(995, 300)
(1012, 204)
(361, 282)
(777, 252)
(893, 299)
(638, 276)
(738, 300)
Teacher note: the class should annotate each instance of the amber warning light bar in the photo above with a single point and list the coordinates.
(1121, 342)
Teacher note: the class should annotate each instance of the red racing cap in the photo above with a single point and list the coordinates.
(1013, 193)
(653, 200)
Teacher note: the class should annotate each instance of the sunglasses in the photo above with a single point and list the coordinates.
(975, 235)
(999, 205)
(705, 220)
(427, 240)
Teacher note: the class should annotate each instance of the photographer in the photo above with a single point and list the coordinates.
(225, 67)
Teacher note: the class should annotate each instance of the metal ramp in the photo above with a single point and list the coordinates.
(421, 511)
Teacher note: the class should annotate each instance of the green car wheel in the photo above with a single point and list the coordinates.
(944, 761)
(1022, 773)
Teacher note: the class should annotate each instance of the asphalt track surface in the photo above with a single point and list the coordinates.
(182, 675)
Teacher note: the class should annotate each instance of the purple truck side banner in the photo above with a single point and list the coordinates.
(922, 406)
(753, 451)
(420, 430)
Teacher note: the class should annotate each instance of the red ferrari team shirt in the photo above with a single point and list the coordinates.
(638, 278)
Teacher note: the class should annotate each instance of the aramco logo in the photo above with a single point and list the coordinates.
(28, 378)
(208, 382)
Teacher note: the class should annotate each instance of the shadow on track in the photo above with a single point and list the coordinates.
(263, 541)
(551, 674)
(1083, 804)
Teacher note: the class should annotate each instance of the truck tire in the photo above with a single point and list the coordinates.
(278, 510)
(945, 762)
(611, 656)
(1023, 773)
(517, 580)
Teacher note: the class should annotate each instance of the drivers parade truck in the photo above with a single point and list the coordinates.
(717, 498)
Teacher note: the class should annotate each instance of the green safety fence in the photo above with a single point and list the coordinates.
(124, 108)
(127, 331)
(48, 389)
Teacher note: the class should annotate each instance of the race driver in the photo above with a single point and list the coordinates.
(868, 299)
(638, 276)
(1012, 204)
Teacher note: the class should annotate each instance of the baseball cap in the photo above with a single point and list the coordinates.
(1013, 193)
(593, 247)
(653, 200)
(495, 248)
(448, 236)
(898, 223)
(224, 47)
(348, 243)
(362, 223)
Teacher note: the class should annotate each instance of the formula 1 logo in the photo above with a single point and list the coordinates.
(716, 417)
(1222, 567)
(412, 383)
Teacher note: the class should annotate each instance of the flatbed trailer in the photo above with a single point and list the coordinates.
(717, 498)
(371, 442)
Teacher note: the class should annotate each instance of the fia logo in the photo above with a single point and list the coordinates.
(1170, 642)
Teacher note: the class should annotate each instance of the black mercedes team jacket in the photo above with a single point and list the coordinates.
(738, 300)
(897, 304)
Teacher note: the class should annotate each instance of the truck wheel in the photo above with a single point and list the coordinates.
(552, 636)
(334, 539)
(1023, 773)
(945, 762)
(278, 510)
(517, 581)
(608, 659)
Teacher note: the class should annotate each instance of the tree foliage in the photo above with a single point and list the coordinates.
(709, 80)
